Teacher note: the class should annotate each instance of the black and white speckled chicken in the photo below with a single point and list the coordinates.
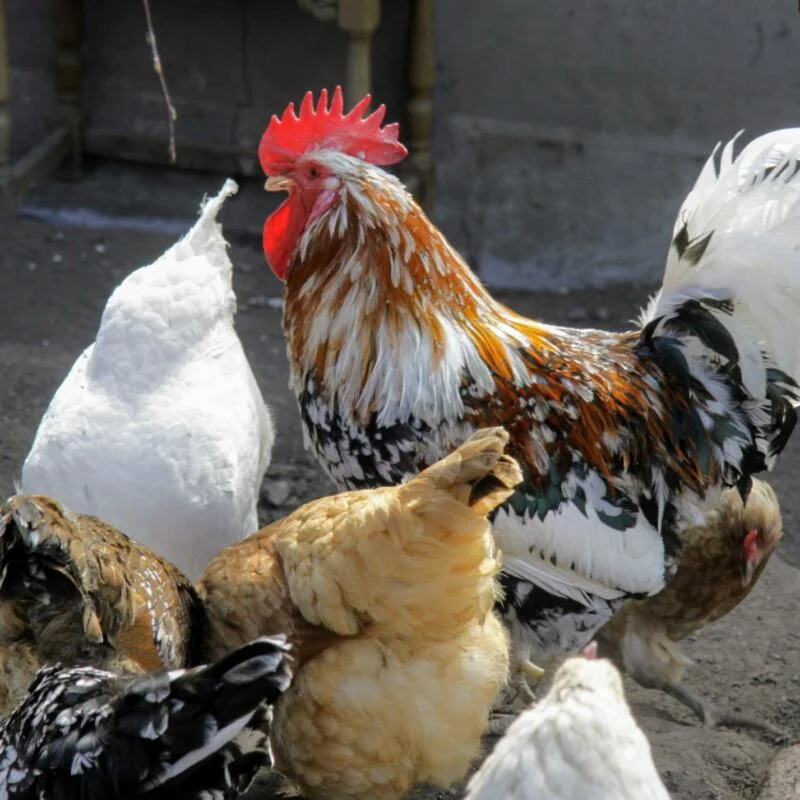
(87, 733)
(76, 591)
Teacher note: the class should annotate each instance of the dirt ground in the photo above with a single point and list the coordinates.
(54, 281)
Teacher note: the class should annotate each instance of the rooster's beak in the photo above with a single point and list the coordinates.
(278, 183)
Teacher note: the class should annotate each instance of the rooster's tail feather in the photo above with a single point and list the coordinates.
(727, 314)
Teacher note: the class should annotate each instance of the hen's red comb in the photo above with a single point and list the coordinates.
(287, 138)
(590, 651)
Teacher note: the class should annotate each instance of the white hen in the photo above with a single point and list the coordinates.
(579, 743)
(160, 428)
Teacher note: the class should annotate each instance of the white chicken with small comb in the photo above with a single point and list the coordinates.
(580, 742)
(160, 428)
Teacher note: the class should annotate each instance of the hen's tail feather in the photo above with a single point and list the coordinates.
(198, 733)
(478, 473)
(229, 692)
(725, 320)
(205, 236)
(36, 563)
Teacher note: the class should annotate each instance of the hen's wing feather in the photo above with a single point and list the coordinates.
(88, 593)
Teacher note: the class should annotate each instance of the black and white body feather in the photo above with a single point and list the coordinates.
(200, 733)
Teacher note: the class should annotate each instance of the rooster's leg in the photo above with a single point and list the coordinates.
(713, 716)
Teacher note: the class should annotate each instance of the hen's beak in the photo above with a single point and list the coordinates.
(749, 570)
(278, 183)
(752, 555)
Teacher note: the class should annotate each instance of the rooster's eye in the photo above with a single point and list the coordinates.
(312, 172)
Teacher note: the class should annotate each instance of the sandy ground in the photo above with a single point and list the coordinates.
(54, 281)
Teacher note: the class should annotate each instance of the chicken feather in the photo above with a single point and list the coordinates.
(386, 596)
(398, 354)
(160, 428)
(580, 742)
(719, 565)
(76, 591)
(196, 734)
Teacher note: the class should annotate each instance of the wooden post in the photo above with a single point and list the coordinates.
(69, 73)
(5, 90)
(359, 19)
(422, 77)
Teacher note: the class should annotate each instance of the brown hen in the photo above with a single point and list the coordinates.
(386, 596)
(719, 564)
(76, 591)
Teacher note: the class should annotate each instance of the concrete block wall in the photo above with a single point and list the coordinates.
(230, 64)
(568, 132)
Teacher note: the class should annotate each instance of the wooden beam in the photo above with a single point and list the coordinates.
(154, 150)
(5, 89)
(359, 20)
(418, 170)
(34, 166)
(69, 72)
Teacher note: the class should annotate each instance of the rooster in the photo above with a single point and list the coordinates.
(81, 732)
(160, 428)
(398, 353)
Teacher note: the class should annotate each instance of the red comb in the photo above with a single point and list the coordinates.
(287, 138)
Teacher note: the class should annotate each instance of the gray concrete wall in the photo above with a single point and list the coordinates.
(230, 64)
(32, 54)
(567, 131)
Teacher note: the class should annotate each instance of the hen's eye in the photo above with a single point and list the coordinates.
(312, 172)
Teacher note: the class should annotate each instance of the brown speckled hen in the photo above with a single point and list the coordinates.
(76, 591)
(719, 564)
(386, 596)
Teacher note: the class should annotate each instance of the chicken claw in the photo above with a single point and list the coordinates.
(514, 698)
(532, 671)
(715, 717)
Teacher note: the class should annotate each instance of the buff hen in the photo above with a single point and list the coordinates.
(160, 428)
(719, 564)
(386, 596)
(76, 591)
(580, 742)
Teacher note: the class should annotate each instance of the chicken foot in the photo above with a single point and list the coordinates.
(514, 698)
(531, 670)
(713, 716)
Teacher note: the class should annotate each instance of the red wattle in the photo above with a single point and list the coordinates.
(281, 232)
(750, 545)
